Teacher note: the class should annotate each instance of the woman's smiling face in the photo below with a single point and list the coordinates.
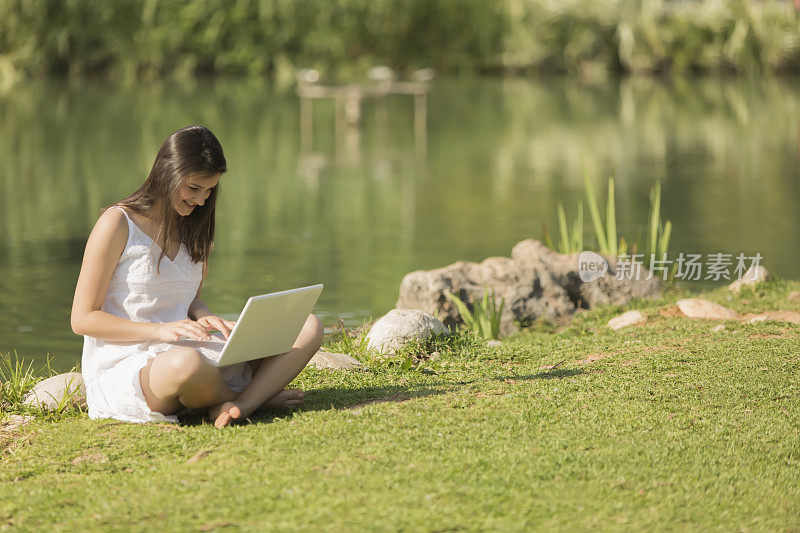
(193, 192)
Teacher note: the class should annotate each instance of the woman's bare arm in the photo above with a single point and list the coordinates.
(103, 250)
(198, 309)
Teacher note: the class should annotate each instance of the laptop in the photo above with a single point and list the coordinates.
(269, 325)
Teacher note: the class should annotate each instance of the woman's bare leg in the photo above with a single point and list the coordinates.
(273, 374)
(182, 377)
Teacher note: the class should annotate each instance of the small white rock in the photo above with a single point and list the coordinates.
(400, 326)
(753, 276)
(700, 308)
(718, 327)
(629, 318)
(335, 361)
(494, 343)
(48, 393)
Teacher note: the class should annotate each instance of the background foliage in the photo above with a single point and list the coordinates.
(153, 38)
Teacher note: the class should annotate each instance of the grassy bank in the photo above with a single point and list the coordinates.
(154, 38)
(663, 426)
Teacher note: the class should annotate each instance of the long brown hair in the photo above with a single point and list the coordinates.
(192, 150)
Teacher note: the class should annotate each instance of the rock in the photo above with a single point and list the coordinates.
(335, 361)
(608, 288)
(400, 326)
(718, 327)
(494, 343)
(562, 267)
(48, 393)
(629, 318)
(528, 294)
(754, 275)
(792, 317)
(700, 308)
(535, 283)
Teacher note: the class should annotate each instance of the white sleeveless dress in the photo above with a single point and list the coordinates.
(136, 292)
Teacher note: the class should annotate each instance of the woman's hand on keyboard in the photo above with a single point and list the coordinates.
(216, 322)
(173, 331)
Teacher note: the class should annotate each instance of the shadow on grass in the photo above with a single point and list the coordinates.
(330, 398)
(336, 398)
(550, 374)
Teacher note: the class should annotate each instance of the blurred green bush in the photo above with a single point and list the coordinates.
(342, 38)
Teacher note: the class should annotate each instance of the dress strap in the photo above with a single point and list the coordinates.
(131, 224)
(123, 211)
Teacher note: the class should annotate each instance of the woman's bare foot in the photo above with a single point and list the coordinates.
(225, 413)
(285, 399)
(228, 412)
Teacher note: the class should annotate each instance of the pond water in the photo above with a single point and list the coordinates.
(356, 208)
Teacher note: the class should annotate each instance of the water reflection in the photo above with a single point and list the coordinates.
(358, 213)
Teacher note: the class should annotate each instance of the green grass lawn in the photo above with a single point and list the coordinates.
(663, 426)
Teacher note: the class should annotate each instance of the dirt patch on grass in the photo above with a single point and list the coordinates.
(169, 427)
(11, 430)
(91, 457)
(594, 358)
(670, 312)
(213, 526)
(767, 336)
(633, 353)
(198, 456)
(13, 423)
(490, 393)
(397, 398)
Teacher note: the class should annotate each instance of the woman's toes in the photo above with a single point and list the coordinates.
(228, 412)
(222, 420)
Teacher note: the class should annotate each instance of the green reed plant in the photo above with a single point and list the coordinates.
(352, 342)
(659, 233)
(570, 241)
(16, 378)
(484, 319)
(605, 231)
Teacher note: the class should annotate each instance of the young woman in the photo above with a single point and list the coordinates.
(137, 302)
